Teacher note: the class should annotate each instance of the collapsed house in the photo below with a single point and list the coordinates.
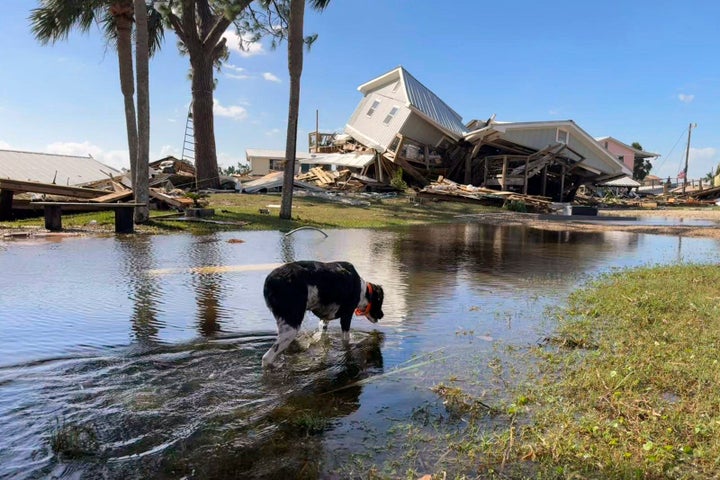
(27, 178)
(411, 128)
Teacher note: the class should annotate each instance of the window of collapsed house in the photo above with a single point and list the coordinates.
(563, 136)
(390, 115)
(276, 164)
(373, 107)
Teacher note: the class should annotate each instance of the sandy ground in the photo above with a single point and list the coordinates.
(572, 223)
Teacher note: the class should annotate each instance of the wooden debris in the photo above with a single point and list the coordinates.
(113, 197)
(444, 189)
(178, 202)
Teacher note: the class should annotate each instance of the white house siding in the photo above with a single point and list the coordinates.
(420, 130)
(372, 131)
(260, 166)
(539, 138)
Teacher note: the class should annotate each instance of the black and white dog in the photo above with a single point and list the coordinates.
(329, 290)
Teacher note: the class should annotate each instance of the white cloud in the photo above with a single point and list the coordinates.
(243, 45)
(273, 132)
(114, 158)
(5, 145)
(236, 76)
(701, 161)
(686, 97)
(702, 154)
(235, 72)
(271, 78)
(236, 112)
(169, 150)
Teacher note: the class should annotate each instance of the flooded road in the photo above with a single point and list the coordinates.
(144, 352)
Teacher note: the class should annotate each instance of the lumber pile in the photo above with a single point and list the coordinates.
(444, 189)
(328, 179)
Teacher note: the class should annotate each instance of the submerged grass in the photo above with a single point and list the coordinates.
(243, 211)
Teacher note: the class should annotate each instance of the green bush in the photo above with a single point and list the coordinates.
(516, 206)
(397, 180)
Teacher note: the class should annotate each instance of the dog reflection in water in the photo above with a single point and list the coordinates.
(329, 290)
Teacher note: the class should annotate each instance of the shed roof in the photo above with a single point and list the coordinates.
(422, 100)
(53, 168)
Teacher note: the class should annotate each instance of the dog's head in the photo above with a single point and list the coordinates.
(375, 296)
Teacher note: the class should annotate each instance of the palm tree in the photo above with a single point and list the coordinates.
(142, 55)
(291, 19)
(53, 20)
(200, 27)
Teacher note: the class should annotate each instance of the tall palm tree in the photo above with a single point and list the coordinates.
(53, 20)
(296, 42)
(142, 58)
(200, 24)
(285, 19)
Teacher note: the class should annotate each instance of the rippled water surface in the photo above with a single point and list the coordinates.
(147, 349)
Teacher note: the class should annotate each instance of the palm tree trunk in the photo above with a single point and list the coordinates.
(204, 123)
(295, 66)
(122, 11)
(142, 53)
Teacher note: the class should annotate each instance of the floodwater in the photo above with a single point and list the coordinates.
(146, 350)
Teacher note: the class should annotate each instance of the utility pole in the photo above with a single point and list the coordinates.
(687, 155)
(317, 130)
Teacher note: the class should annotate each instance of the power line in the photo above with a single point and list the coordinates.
(682, 134)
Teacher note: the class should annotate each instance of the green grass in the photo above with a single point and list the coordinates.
(643, 401)
(311, 211)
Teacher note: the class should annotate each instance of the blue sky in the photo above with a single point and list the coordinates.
(638, 71)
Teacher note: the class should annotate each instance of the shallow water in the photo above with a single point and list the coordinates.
(151, 346)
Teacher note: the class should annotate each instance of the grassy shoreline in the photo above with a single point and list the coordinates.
(241, 211)
(628, 388)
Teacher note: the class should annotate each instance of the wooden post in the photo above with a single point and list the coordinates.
(53, 218)
(485, 174)
(6, 201)
(123, 220)
(504, 172)
(544, 181)
(525, 179)
(562, 182)
(427, 158)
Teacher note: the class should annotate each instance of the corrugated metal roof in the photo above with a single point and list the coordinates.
(342, 159)
(431, 105)
(50, 167)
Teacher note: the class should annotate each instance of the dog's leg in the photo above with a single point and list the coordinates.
(345, 326)
(286, 334)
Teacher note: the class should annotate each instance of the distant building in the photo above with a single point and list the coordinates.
(624, 152)
(263, 162)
